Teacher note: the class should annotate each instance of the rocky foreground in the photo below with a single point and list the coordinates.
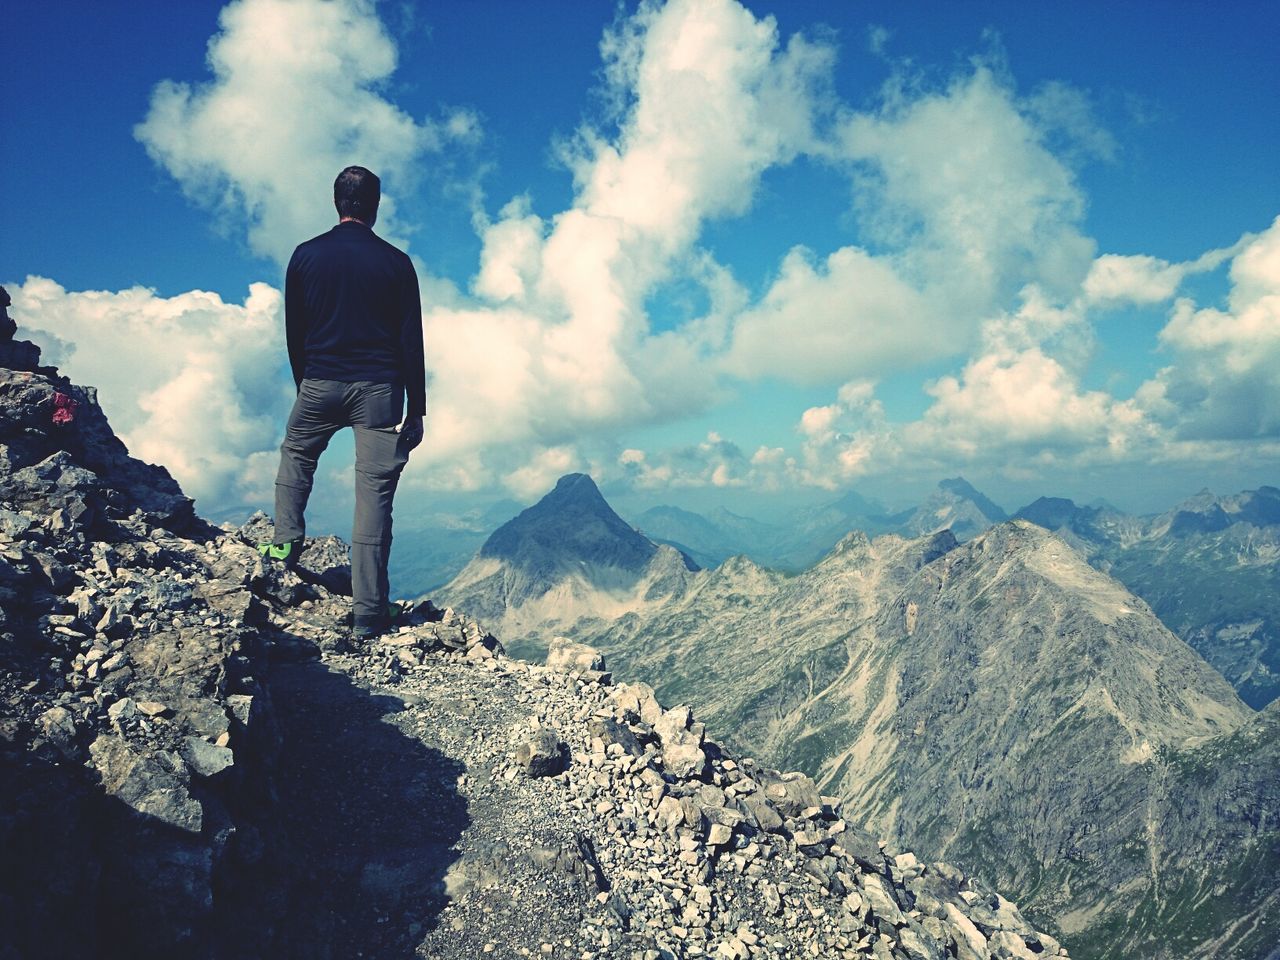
(195, 762)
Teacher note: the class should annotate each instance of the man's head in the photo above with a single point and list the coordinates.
(356, 193)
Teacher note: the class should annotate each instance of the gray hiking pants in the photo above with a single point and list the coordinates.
(374, 411)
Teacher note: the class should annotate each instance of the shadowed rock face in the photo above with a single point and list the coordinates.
(141, 755)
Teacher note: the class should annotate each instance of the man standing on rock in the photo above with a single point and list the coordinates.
(353, 323)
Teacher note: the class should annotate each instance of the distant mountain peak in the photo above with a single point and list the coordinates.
(578, 487)
(1050, 512)
(573, 523)
(963, 489)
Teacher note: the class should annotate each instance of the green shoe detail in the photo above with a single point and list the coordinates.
(286, 553)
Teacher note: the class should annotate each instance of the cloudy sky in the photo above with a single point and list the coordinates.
(707, 251)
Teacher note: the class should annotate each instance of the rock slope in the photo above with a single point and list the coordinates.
(738, 629)
(1000, 703)
(1017, 711)
(197, 763)
(1210, 568)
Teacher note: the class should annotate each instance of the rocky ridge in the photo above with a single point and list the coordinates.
(999, 703)
(196, 762)
(1210, 568)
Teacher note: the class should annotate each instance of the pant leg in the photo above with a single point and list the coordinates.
(312, 422)
(380, 457)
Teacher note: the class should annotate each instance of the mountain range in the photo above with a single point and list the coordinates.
(808, 533)
(1209, 567)
(999, 701)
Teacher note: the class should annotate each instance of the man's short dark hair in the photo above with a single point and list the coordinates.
(356, 193)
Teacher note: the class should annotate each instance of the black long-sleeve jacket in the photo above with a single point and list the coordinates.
(352, 312)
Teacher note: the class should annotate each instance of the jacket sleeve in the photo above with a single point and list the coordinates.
(295, 319)
(412, 362)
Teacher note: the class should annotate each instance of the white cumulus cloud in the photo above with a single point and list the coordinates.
(967, 203)
(295, 97)
(1224, 383)
(557, 341)
(190, 382)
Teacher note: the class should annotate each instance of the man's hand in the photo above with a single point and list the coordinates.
(411, 430)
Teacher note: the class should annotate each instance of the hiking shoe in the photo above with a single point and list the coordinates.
(285, 553)
(367, 628)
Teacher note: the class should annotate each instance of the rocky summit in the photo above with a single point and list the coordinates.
(196, 762)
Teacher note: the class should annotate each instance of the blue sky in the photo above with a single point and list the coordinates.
(707, 251)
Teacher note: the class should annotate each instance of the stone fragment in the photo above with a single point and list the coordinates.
(862, 848)
(719, 835)
(122, 711)
(637, 701)
(1006, 943)
(204, 758)
(973, 938)
(670, 814)
(611, 732)
(793, 793)
(58, 726)
(880, 900)
(762, 812)
(918, 945)
(682, 753)
(542, 755)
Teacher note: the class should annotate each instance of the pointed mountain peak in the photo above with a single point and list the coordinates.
(572, 524)
(575, 488)
(961, 488)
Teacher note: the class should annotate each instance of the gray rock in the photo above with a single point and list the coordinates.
(123, 710)
(145, 783)
(880, 900)
(568, 655)
(682, 753)
(637, 701)
(204, 759)
(542, 755)
(763, 813)
(58, 726)
(610, 731)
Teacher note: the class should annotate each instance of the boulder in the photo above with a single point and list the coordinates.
(542, 755)
(151, 784)
(569, 656)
